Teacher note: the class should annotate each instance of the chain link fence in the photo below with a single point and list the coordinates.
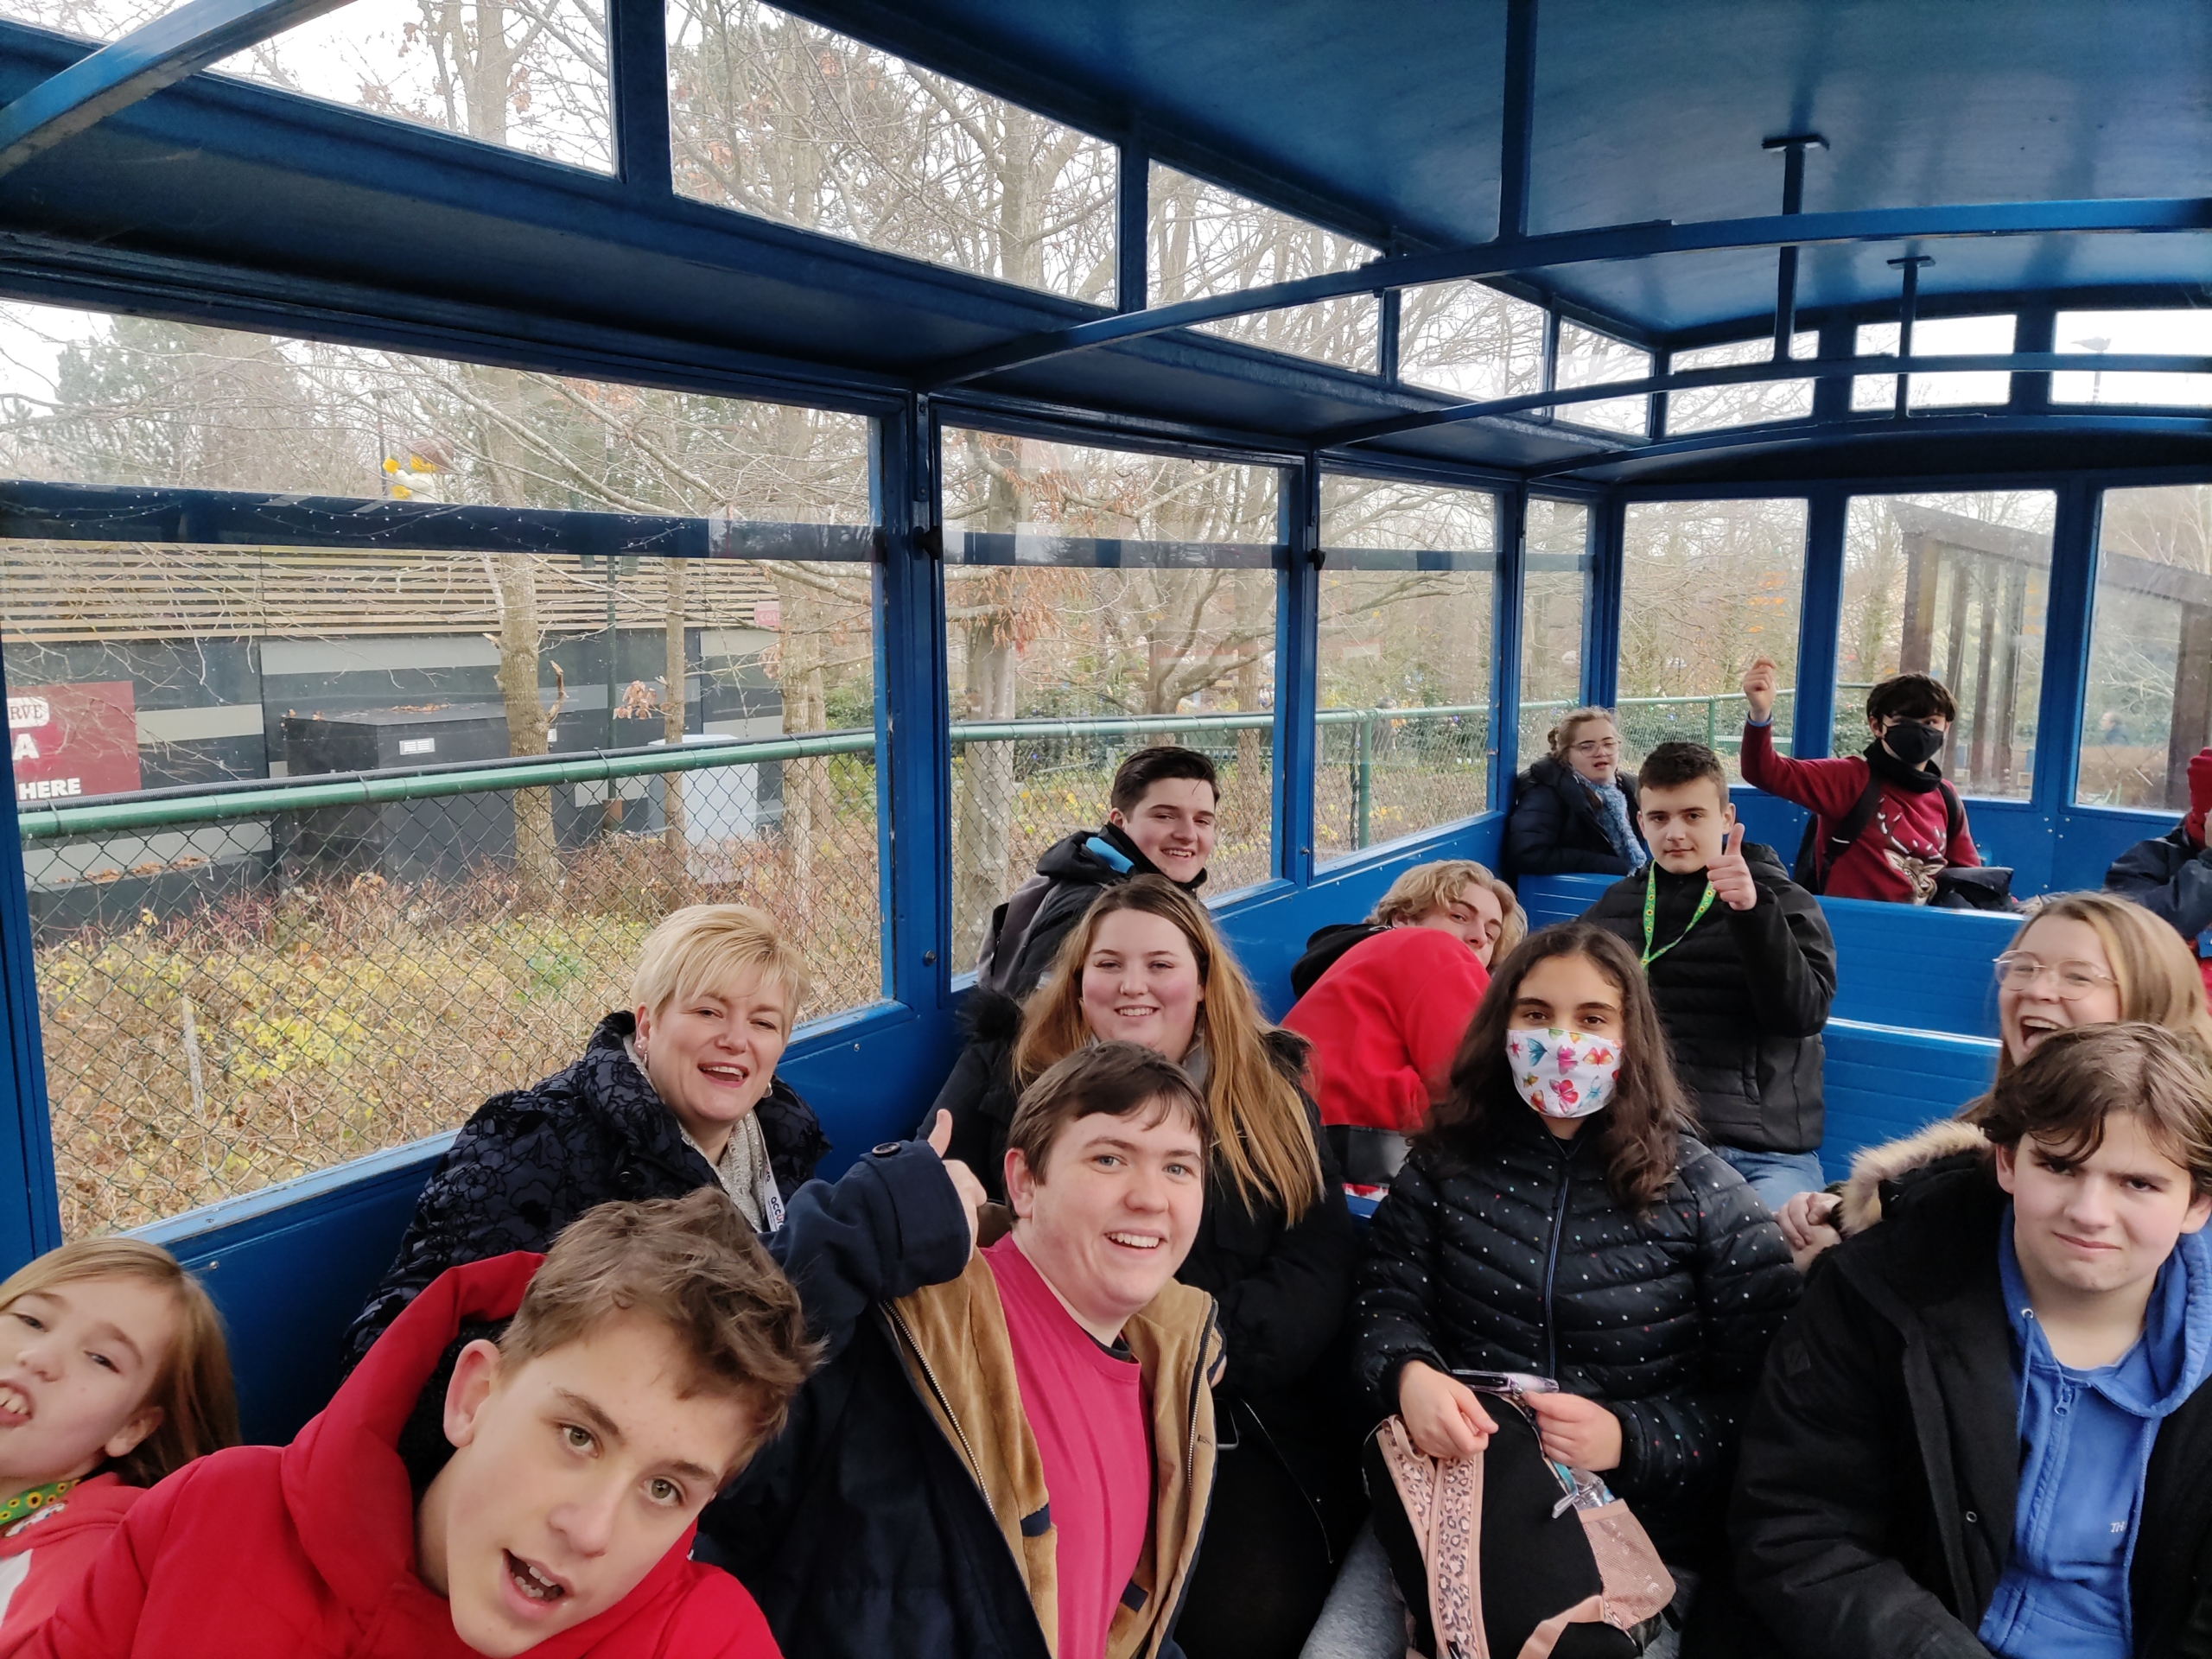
(1387, 772)
(237, 986)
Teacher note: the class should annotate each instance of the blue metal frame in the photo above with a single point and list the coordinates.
(1820, 622)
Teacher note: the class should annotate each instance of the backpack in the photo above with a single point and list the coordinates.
(1507, 1553)
(1817, 853)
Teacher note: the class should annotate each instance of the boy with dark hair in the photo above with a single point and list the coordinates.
(1742, 965)
(1984, 1429)
(1161, 822)
(1018, 1462)
(645, 1357)
(1885, 822)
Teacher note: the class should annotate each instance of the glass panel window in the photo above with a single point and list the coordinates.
(1954, 585)
(1935, 337)
(273, 983)
(1587, 358)
(771, 115)
(2174, 334)
(1404, 667)
(1555, 595)
(1203, 241)
(2149, 706)
(1708, 588)
(1471, 341)
(1118, 599)
(1724, 406)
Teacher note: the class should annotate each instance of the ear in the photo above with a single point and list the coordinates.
(2005, 1167)
(1115, 817)
(2200, 1211)
(127, 1439)
(1021, 1184)
(644, 1025)
(475, 1376)
(1727, 812)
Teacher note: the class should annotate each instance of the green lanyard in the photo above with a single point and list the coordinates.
(1651, 912)
(37, 1498)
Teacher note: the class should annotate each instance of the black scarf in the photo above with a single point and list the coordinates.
(1891, 770)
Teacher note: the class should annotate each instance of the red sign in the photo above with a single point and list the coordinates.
(67, 740)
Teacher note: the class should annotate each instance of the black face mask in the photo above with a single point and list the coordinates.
(1912, 741)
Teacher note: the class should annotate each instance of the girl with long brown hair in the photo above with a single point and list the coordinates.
(1276, 1246)
(1556, 1216)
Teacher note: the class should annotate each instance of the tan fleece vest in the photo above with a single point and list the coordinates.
(953, 1339)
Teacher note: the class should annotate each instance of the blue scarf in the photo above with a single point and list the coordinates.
(1613, 808)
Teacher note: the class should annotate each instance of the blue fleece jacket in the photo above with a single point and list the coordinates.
(2085, 1447)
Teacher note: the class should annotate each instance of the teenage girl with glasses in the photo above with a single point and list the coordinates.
(2082, 959)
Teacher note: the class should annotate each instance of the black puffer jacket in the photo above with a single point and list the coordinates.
(530, 1161)
(1519, 1259)
(1556, 828)
(1026, 931)
(1744, 998)
(2170, 877)
(1881, 1460)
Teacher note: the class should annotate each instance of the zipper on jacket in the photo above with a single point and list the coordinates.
(975, 1466)
(1551, 1257)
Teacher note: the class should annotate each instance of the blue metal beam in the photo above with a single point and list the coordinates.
(1516, 146)
(1510, 257)
(164, 52)
(1753, 373)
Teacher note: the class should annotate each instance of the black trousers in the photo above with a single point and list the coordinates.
(1266, 1564)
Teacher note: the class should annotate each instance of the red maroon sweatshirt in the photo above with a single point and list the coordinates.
(45, 1554)
(1897, 857)
(308, 1552)
(1384, 1022)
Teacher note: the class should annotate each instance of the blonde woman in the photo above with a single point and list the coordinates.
(676, 1092)
(1274, 1248)
(1574, 811)
(2082, 959)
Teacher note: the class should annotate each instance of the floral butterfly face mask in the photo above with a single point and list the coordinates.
(1563, 1073)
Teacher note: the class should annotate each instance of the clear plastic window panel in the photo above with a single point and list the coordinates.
(1716, 407)
(2148, 703)
(2166, 333)
(1119, 599)
(1708, 588)
(774, 116)
(1554, 602)
(1956, 586)
(1935, 337)
(276, 985)
(1403, 674)
(524, 75)
(1587, 358)
(1471, 341)
(1202, 240)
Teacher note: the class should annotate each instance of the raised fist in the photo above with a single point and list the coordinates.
(1759, 688)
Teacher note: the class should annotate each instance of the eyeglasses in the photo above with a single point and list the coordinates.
(1599, 746)
(2073, 980)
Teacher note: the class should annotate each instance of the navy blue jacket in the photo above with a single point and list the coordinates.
(2170, 877)
(530, 1161)
(1556, 828)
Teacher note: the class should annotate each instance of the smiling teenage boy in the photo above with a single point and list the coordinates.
(1899, 823)
(1163, 805)
(1741, 964)
(644, 1359)
(1984, 1429)
(1015, 1465)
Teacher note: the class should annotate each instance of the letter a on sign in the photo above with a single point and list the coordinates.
(26, 746)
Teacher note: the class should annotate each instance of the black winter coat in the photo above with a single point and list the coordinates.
(2170, 877)
(1281, 1290)
(1744, 999)
(1879, 1473)
(1556, 828)
(529, 1162)
(1026, 931)
(1518, 1259)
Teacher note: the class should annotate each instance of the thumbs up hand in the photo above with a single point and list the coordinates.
(1729, 876)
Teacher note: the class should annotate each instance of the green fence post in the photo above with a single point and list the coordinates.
(1364, 795)
(1712, 720)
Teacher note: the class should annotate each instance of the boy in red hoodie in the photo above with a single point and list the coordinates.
(644, 1360)
(1918, 827)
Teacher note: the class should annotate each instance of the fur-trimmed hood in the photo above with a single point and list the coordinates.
(1877, 1171)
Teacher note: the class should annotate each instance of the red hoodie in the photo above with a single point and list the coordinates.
(1384, 1022)
(48, 1552)
(308, 1552)
(1896, 856)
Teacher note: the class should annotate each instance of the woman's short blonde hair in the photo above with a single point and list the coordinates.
(1562, 736)
(1425, 888)
(2152, 968)
(709, 948)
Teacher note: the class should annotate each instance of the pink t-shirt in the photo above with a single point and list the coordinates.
(1087, 1409)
